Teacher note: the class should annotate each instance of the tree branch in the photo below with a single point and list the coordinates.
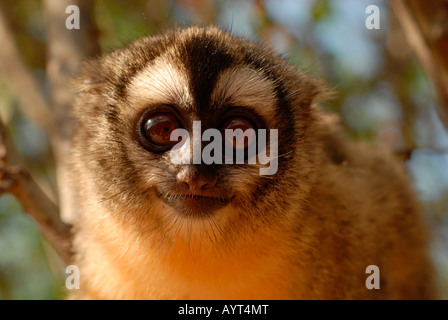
(66, 50)
(15, 179)
(32, 104)
(425, 25)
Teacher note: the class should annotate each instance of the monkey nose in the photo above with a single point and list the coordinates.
(194, 179)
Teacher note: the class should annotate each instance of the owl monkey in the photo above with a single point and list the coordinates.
(152, 229)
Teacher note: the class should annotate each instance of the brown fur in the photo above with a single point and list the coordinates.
(308, 232)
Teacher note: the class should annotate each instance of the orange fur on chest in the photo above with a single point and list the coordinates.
(124, 267)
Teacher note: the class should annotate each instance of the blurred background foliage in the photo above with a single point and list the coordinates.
(382, 95)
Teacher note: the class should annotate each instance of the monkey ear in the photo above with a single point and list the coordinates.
(92, 78)
(90, 87)
(323, 91)
(317, 90)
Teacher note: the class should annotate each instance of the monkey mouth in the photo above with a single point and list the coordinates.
(195, 205)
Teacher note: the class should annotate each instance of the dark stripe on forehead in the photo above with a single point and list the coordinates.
(204, 57)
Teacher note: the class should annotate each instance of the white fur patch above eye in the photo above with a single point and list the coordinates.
(161, 82)
(247, 88)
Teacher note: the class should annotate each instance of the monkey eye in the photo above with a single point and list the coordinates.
(242, 137)
(157, 130)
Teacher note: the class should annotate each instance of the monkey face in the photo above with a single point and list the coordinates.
(134, 100)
